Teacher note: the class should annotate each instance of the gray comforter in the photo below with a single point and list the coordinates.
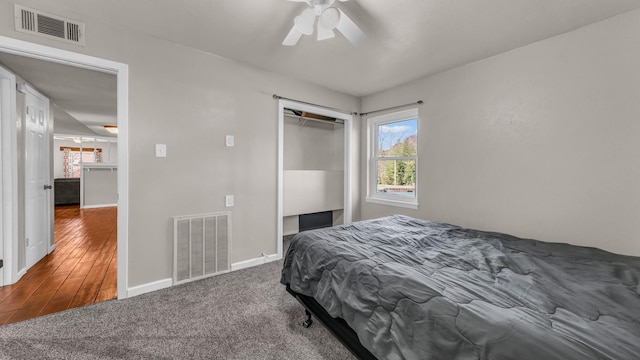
(415, 289)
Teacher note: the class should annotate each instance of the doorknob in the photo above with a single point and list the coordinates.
(48, 187)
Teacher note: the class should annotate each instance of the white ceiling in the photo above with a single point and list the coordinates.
(84, 100)
(407, 39)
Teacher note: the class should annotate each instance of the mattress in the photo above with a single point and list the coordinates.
(417, 289)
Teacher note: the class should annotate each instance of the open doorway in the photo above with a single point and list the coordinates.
(105, 220)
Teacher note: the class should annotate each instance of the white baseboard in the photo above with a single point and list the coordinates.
(255, 262)
(165, 283)
(97, 206)
(20, 274)
(149, 287)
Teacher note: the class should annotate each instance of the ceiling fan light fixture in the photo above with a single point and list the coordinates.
(111, 128)
(305, 21)
(330, 18)
(324, 33)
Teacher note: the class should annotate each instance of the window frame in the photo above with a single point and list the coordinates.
(76, 167)
(373, 196)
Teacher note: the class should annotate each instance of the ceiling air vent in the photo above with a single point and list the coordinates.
(49, 26)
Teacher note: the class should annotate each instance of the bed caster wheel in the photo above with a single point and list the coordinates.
(307, 322)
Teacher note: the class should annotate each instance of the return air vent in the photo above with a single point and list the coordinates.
(201, 246)
(48, 26)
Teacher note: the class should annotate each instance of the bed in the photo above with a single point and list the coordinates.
(404, 288)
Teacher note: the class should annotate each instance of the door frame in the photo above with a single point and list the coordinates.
(121, 70)
(348, 123)
(8, 171)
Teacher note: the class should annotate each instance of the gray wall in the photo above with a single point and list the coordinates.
(189, 100)
(99, 186)
(540, 142)
(314, 146)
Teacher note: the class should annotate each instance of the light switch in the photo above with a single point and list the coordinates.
(161, 150)
(230, 140)
(228, 200)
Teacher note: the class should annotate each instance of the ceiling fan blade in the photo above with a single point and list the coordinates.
(292, 38)
(324, 33)
(350, 30)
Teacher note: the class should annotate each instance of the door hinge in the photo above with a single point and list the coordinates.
(20, 88)
(27, 241)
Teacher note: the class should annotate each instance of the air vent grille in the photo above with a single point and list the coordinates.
(73, 31)
(28, 20)
(201, 246)
(50, 26)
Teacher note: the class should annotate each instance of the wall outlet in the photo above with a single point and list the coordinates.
(229, 140)
(228, 200)
(161, 150)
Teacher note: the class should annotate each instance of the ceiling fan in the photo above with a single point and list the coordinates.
(329, 18)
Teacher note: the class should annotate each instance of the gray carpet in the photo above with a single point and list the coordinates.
(246, 314)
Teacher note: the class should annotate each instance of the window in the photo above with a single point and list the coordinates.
(77, 150)
(74, 157)
(393, 164)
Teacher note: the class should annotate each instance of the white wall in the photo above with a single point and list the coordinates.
(190, 100)
(541, 141)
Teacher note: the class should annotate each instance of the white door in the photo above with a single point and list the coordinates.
(37, 176)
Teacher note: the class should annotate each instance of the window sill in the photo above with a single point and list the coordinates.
(390, 202)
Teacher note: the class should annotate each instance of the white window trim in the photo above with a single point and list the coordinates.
(372, 140)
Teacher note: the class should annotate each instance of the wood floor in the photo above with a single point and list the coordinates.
(80, 271)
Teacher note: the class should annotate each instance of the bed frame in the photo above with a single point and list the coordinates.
(337, 326)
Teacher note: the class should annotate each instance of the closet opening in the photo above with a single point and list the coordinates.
(314, 169)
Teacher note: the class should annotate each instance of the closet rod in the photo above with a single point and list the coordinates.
(419, 102)
(278, 97)
(338, 121)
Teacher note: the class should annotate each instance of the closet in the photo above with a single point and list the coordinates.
(313, 171)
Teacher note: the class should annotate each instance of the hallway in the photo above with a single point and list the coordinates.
(81, 270)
